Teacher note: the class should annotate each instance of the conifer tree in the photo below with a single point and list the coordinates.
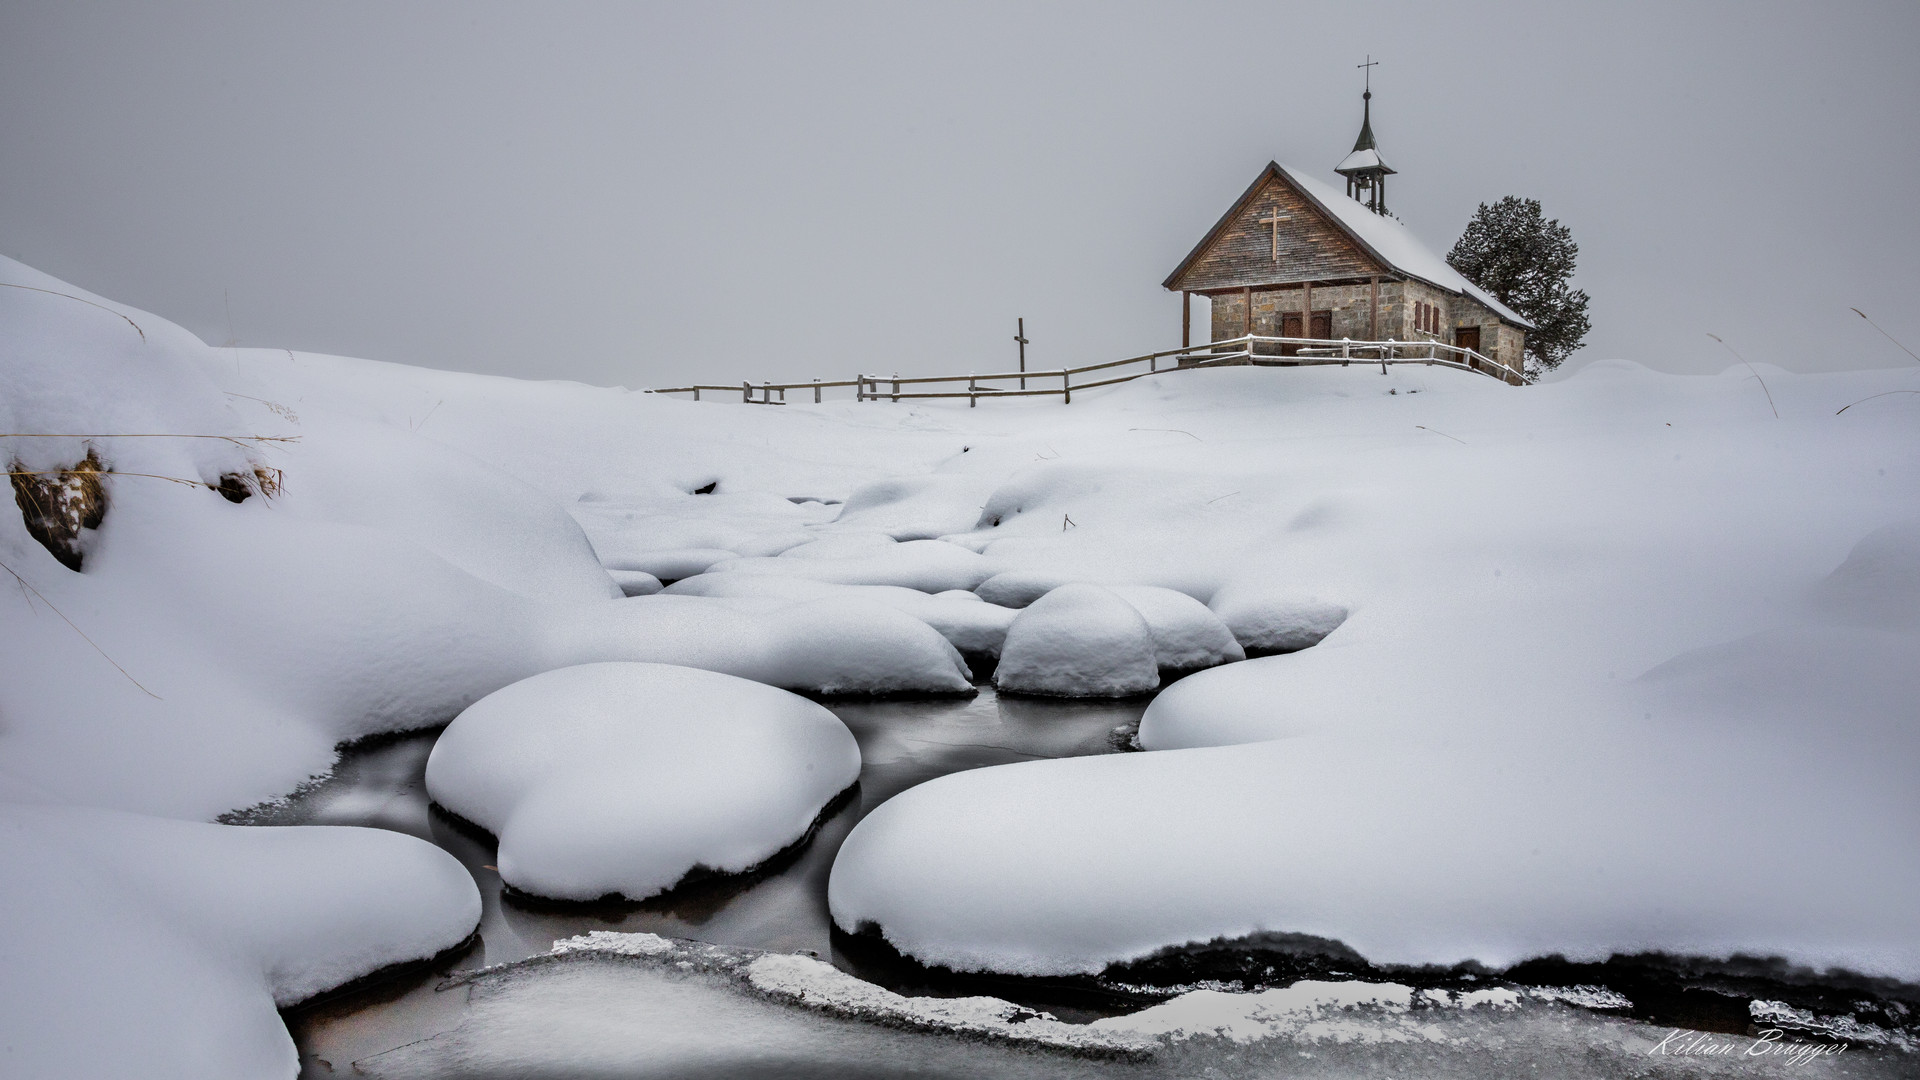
(1524, 260)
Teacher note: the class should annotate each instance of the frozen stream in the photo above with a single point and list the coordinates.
(902, 743)
(605, 1017)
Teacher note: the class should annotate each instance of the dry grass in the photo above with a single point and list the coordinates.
(82, 299)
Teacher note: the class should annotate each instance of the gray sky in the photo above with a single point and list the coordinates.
(644, 194)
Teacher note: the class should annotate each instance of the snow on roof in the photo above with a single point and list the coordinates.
(1393, 243)
(1362, 159)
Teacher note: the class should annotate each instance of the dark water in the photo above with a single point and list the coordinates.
(902, 743)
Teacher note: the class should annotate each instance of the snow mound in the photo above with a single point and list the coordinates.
(1018, 588)
(623, 778)
(930, 566)
(1879, 583)
(1079, 641)
(976, 629)
(1187, 636)
(1267, 618)
(137, 946)
(1240, 704)
(842, 545)
(831, 645)
(477, 517)
(1415, 836)
(672, 564)
(635, 582)
(916, 507)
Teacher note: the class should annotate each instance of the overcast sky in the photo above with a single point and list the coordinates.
(644, 194)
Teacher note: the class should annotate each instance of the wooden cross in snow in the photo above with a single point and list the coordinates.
(1275, 220)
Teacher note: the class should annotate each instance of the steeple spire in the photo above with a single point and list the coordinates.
(1365, 141)
(1365, 170)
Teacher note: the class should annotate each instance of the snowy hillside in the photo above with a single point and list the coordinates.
(1620, 662)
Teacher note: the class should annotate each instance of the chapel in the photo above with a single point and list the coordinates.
(1296, 257)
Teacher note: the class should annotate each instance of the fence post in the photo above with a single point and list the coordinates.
(859, 386)
(1346, 351)
(1066, 387)
(816, 391)
(896, 387)
(696, 393)
(972, 389)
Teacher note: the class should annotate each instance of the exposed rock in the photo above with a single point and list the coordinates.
(57, 504)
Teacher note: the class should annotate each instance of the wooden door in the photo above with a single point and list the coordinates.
(1290, 327)
(1322, 325)
(1467, 337)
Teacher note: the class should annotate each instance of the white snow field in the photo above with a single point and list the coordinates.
(621, 778)
(1627, 662)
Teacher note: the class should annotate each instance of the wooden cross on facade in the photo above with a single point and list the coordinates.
(1274, 220)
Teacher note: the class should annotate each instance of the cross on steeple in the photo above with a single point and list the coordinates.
(1274, 220)
(1371, 63)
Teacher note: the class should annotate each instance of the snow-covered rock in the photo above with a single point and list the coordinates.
(1079, 641)
(622, 778)
(1186, 635)
(1018, 588)
(832, 645)
(927, 565)
(635, 582)
(672, 564)
(917, 507)
(137, 946)
(1269, 618)
(975, 628)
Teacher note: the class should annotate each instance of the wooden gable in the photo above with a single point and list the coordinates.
(1240, 251)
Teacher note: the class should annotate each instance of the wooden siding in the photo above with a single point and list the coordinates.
(1241, 252)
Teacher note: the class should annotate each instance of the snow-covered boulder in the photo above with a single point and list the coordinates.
(1079, 641)
(927, 565)
(672, 564)
(1018, 588)
(1186, 635)
(976, 629)
(842, 545)
(1879, 583)
(635, 582)
(917, 507)
(835, 644)
(623, 778)
(140, 946)
(1269, 618)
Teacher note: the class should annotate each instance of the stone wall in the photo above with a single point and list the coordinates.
(1499, 342)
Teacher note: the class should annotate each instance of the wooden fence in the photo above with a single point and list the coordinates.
(1060, 382)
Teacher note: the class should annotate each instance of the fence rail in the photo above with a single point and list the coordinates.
(1250, 349)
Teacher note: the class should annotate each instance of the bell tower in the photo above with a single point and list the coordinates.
(1366, 171)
